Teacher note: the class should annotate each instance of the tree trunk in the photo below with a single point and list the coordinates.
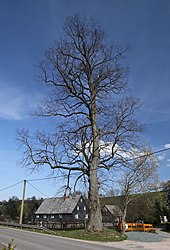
(95, 216)
(124, 217)
(95, 220)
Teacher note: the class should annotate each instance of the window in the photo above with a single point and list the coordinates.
(37, 216)
(52, 216)
(87, 216)
(76, 216)
(44, 216)
(60, 216)
(84, 208)
(78, 208)
(81, 200)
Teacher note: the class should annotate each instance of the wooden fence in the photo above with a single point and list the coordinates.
(61, 225)
(137, 227)
(26, 226)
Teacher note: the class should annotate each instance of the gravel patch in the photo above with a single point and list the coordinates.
(143, 241)
(144, 237)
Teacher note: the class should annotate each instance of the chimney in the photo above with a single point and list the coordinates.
(65, 197)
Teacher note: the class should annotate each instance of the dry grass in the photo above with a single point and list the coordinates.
(106, 235)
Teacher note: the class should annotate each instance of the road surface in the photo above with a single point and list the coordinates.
(26, 240)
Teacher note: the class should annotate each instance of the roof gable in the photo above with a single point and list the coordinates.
(58, 205)
(114, 210)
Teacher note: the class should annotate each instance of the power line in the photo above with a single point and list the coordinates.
(148, 154)
(131, 159)
(11, 186)
(37, 189)
(48, 178)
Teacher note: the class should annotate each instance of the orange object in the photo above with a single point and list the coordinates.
(136, 227)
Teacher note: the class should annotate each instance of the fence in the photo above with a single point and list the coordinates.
(137, 227)
(27, 226)
(61, 225)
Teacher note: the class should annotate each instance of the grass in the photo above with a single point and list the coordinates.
(107, 235)
(104, 236)
(1, 246)
(81, 234)
(9, 247)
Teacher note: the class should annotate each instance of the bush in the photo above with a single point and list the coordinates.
(9, 247)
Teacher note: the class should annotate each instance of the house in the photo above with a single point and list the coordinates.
(111, 214)
(62, 211)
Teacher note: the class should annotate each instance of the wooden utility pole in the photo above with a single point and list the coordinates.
(22, 204)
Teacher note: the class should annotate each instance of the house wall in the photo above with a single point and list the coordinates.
(108, 217)
(80, 213)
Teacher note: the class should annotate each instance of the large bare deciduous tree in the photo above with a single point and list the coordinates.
(95, 120)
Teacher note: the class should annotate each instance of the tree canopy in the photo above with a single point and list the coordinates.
(96, 126)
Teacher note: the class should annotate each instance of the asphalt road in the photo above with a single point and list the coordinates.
(35, 241)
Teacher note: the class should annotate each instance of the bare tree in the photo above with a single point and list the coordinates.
(137, 176)
(96, 126)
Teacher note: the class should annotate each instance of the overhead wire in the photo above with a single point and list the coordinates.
(37, 189)
(11, 186)
(56, 177)
(148, 154)
(46, 178)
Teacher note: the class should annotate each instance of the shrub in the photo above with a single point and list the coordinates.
(9, 247)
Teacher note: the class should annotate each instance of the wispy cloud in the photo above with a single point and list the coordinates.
(167, 145)
(155, 115)
(168, 165)
(155, 109)
(16, 101)
(161, 157)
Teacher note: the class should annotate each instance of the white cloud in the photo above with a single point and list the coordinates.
(168, 165)
(16, 101)
(154, 110)
(108, 148)
(167, 145)
(161, 157)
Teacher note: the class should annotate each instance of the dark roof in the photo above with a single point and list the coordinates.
(58, 205)
(114, 210)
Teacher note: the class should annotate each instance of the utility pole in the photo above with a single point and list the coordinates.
(22, 204)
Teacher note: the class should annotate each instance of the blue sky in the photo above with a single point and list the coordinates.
(29, 27)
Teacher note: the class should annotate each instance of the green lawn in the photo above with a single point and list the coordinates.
(1, 246)
(105, 235)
